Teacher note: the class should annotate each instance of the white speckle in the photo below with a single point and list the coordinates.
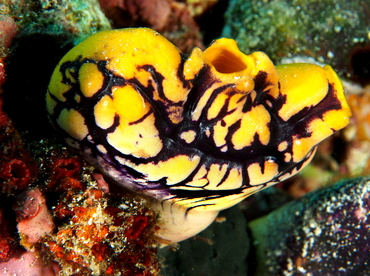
(123, 206)
(330, 54)
(320, 59)
(306, 246)
(208, 132)
(302, 270)
(101, 148)
(337, 29)
(289, 264)
(120, 159)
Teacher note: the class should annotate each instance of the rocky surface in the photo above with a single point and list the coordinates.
(334, 32)
(324, 233)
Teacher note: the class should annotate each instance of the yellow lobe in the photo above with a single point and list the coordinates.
(216, 106)
(253, 122)
(193, 64)
(215, 174)
(334, 80)
(233, 181)
(104, 112)
(258, 177)
(140, 140)
(73, 123)
(129, 104)
(188, 136)
(57, 87)
(304, 85)
(175, 169)
(91, 79)
(50, 103)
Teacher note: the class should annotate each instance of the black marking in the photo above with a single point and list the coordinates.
(197, 206)
(247, 106)
(261, 83)
(223, 179)
(142, 118)
(115, 124)
(215, 93)
(157, 78)
(231, 131)
(183, 194)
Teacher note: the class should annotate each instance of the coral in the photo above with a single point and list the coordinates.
(78, 19)
(323, 233)
(174, 19)
(155, 13)
(102, 235)
(15, 173)
(64, 173)
(27, 263)
(17, 168)
(232, 122)
(2, 80)
(325, 30)
(198, 7)
(116, 232)
(357, 135)
(33, 216)
(361, 114)
(7, 239)
(8, 30)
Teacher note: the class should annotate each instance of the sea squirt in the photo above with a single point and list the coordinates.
(197, 133)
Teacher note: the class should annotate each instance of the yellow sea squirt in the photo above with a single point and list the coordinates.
(194, 133)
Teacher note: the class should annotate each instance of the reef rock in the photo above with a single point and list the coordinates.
(324, 233)
(326, 30)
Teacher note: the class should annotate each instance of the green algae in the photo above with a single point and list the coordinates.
(78, 18)
(326, 30)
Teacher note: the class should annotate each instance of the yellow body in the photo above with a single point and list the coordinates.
(203, 131)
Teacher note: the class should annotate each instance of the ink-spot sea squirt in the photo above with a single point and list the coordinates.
(194, 133)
